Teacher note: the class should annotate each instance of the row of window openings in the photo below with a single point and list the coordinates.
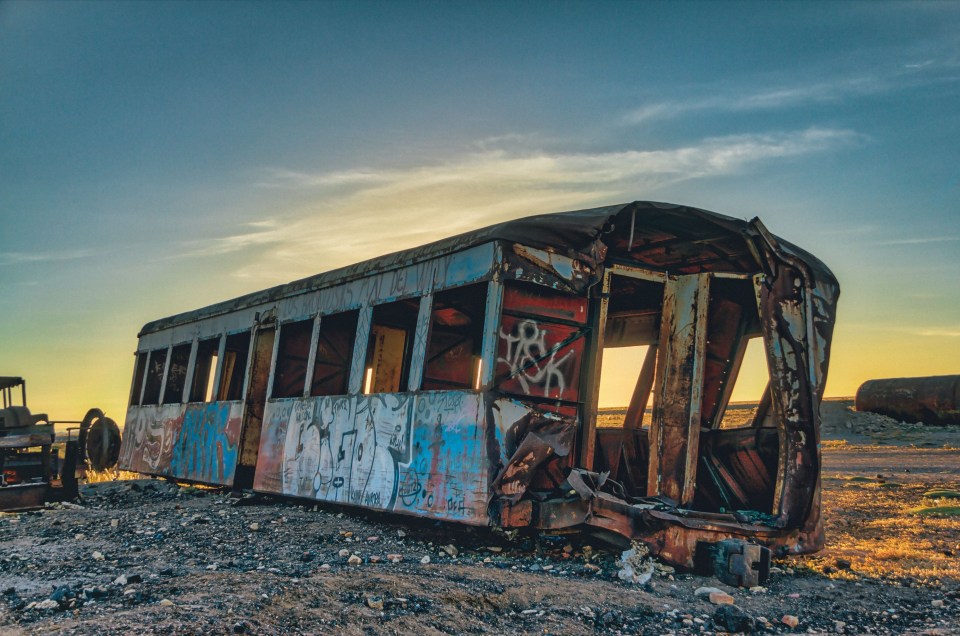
(452, 354)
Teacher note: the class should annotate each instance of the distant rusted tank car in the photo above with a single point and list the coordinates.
(459, 381)
(931, 400)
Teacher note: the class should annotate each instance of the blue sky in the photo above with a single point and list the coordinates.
(157, 157)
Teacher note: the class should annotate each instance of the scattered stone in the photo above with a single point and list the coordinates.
(495, 549)
(451, 551)
(375, 602)
(166, 602)
(425, 560)
(354, 560)
(114, 523)
(373, 539)
(98, 555)
(374, 559)
(839, 626)
(706, 591)
(790, 620)
(842, 564)
(730, 618)
(394, 558)
(721, 598)
(937, 602)
(344, 553)
(636, 565)
(46, 604)
(254, 526)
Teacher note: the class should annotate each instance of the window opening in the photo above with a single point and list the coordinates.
(290, 374)
(749, 386)
(634, 312)
(618, 382)
(204, 370)
(331, 368)
(155, 368)
(456, 334)
(235, 352)
(629, 358)
(139, 370)
(391, 346)
(739, 451)
(177, 374)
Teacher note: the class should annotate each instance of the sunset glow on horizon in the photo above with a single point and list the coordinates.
(160, 157)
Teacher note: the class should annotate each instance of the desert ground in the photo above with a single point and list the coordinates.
(150, 557)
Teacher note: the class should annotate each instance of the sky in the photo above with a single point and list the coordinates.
(159, 157)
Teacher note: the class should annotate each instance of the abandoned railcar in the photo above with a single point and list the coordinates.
(459, 381)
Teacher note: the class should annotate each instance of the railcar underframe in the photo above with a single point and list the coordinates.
(479, 406)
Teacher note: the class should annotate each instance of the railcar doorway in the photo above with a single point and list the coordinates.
(629, 357)
(254, 403)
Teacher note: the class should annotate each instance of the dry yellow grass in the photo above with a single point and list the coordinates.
(96, 477)
(871, 525)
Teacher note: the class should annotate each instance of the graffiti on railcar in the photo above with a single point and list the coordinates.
(207, 444)
(421, 454)
(150, 438)
(197, 442)
(539, 358)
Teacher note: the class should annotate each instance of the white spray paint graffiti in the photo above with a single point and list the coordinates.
(416, 453)
(527, 359)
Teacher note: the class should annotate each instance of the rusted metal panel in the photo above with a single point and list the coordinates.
(545, 303)
(419, 454)
(675, 428)
(539, 358)
(931, 400)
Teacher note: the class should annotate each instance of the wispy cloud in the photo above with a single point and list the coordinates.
(916, 241)
(363, 212)
(939, 333)
(19, 258)
(906, 77)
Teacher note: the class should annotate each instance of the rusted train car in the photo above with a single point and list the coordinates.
(459, 381)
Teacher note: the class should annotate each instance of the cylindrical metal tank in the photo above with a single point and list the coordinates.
(931, 400)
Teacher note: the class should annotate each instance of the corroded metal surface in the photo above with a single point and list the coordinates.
(931, 400)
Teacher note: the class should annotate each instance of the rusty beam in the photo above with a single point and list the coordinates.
(675, 429)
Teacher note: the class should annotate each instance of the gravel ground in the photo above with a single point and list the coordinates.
(149, 557)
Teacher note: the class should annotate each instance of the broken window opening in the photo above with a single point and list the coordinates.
(390, 350)
(139, 370)
(631, 338)
(236, 350)
(749, 386)
(739, 452)
(204, 370)
(290, 372)
(618, 383)
(177, 374)
(331, 369)
(155, 368)
(456, 334)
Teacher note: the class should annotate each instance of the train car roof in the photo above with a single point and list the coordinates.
(663, 236)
